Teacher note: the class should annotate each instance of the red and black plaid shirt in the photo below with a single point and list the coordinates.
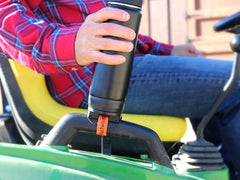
(40, 34)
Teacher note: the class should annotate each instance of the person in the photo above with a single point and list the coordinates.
(63, 40)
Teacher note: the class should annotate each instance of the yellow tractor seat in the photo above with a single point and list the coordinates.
(35, 112)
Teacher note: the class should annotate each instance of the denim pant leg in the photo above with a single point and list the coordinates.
(177, 86)
(188, 87)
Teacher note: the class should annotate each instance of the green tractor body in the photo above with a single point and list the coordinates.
(60, 162)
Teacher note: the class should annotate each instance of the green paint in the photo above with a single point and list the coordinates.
(53, 162)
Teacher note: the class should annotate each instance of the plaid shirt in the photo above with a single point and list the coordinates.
(40, 34)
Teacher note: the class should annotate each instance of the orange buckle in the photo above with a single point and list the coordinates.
(102, 125)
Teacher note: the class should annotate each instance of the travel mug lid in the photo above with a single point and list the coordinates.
(136, 3)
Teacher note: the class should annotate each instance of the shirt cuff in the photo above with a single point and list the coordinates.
(162, 49)
(62, 50)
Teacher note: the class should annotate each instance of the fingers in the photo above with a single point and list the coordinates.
(99, 43)
(111, 29)
(100, 57)
(194, 51)
(94, 24)
(109, 13)
(92, 38)
(185, 50)
(107, 29)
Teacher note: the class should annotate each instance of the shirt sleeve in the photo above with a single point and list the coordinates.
(146, 45)
(36, 42)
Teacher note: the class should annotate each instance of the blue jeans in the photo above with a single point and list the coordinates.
(187, 87)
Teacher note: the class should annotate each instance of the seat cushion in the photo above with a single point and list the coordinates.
(43, 106)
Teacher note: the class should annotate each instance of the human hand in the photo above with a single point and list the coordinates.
(186, 50)
(90, 41)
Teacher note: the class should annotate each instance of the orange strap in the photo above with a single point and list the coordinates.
(102, 125)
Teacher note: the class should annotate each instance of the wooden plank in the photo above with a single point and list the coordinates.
(215, 4)
(144, 26)
(159, 20)
(215, 48)
(221, 56)
(191, 5)
(222, 12)
(204, 14)
(178, 22)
